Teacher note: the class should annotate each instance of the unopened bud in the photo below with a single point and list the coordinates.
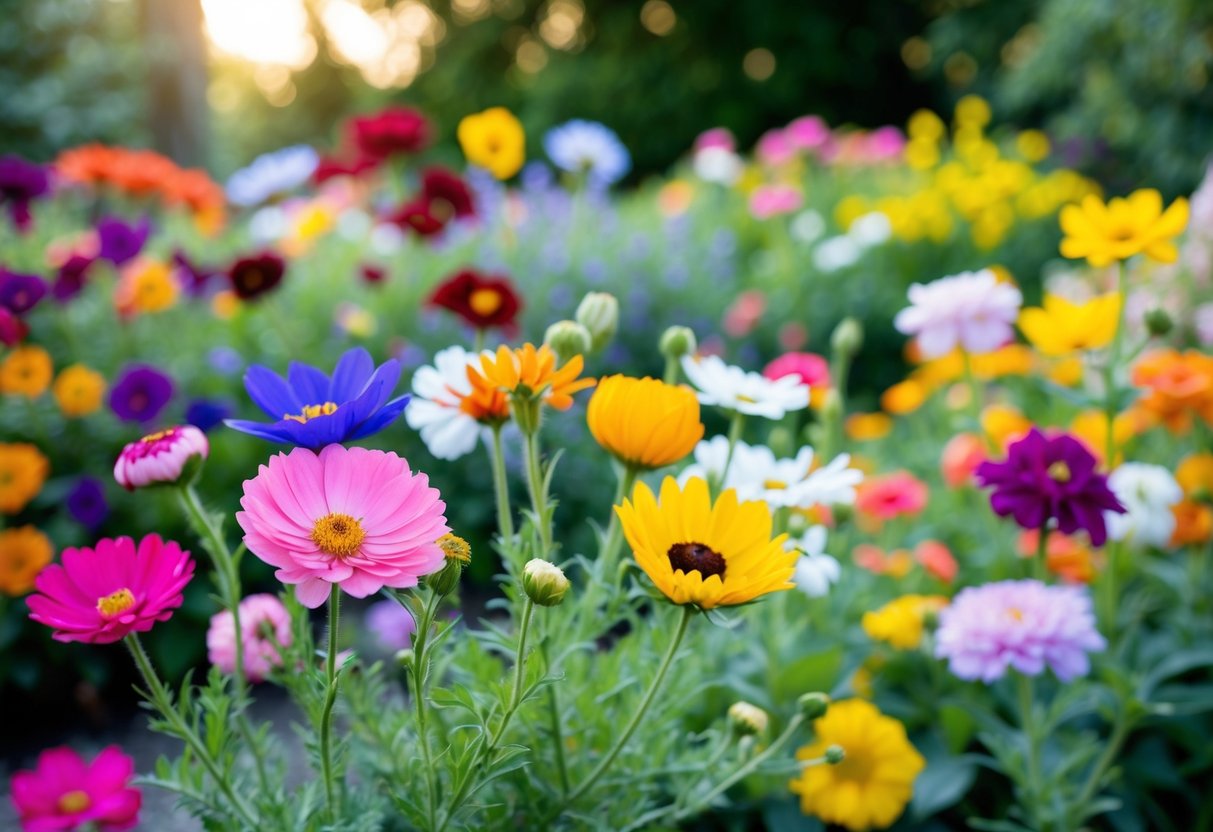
(813, 705)
(598, 312)
(835, 755)
(162, 458)
(544, 582)
(747, 719)
(677, 341)
(1158, 322)
(405, 658)
(568, 339)
(847, 337)
(458, 554)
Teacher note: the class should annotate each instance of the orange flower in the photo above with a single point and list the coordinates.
(896, 563)
(1179, 386)
(486, 403)
(529, 373)
(863, 427)
(1065, 556)
(26, 371)
(1195, 475)
(961, 456)
(937, 559)
(23, 553)
(143, 173)
(1193, 523)
(903, 397)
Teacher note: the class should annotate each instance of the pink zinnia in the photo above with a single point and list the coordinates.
(265, 625)
(810, 368)
(348, 516)
(100, 595)
(160, 457)
(63, 792)
(773, 200)
(891, 495)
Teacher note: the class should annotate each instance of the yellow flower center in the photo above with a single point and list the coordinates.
(455, 548)
(73, 802)
(1015, 613)
(311, 411)
(741, 397)
(157, 436)
(115, 603)
(774, 485)
(696, 557)
(338, 534)
(485, 301)
(1122, 233)
(1059, 471)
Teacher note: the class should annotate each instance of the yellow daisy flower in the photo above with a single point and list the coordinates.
(644, 422)
(873, 783)
(1122, 228)
(494, 140)
(703, 553)
(1060, 327)
(901, 622)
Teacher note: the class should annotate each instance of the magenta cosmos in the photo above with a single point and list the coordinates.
(347, 516)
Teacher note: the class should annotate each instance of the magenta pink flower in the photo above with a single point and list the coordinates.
(348, 516)
(773, 200)
(774, 148)
(810, 368)
(100, 595)
(717, 137)
(160, 457)
(884, 144)
(891, 495)
(808, 133)
(265, 625)
(63, 792)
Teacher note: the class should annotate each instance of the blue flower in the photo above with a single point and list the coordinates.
(314, 410)
(590, 148)
(272, 175)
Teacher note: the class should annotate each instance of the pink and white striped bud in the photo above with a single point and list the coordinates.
(161, 457)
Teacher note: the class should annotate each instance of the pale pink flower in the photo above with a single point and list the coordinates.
(744, 313)
(160, 457)
(720, 138)
(971, 310)
(265, 625)
(774, 148)
(773, 200)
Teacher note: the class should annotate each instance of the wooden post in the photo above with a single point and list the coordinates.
(176, 80)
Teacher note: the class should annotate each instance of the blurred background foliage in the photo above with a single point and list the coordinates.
(1121, 85)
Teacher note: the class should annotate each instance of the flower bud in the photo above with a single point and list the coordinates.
(598, 312)
(746, 719)
(458, 554)
(405, 658)
(544, 582)
(813, 705)
(1158, 322)
(166, 457)
(835, 754)
(567, 339)
(847, 337)
(677, 341)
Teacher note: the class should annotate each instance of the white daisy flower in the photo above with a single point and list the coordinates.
(755, 473)
(1147, 492)
(816, 571)
(732, 388)
(435, 411)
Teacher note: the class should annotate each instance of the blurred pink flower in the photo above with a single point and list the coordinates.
(718, 137)
(884, 144)
(810, 368)
(744, 313)
(772, 200)
(63, 792)
(961, 456)
(937, 559)
(808, 133)
(774, 148)
(265, 625)
(884, 497)
(793, 335)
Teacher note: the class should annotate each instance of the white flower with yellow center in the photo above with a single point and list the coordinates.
(437, 410)
(735, 389)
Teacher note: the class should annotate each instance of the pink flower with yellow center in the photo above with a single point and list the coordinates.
(160, 457)
(64, 792)
(100, 595)
(353, 517)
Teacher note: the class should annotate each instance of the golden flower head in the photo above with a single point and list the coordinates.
(873, 782)
(145, 286)
(644, 422)
(23, 469)
(26, 371)
(1122, 228)
(23, 553)
(494, 140)
(705, 553)
(901, 622)
(78, 390)
(1060, 327)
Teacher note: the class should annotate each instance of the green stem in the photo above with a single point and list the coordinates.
(539, 501)
(614, 537)
(1120, 732)
(501, 486)
(1040, 565)
(1028, 726)
(672, 368)
(634, 722)
(557, 730)
(975, 394)
(736, 429)
(420, 643)
(1110, 386)
(478, 342)
(1108, 587)
(163, 703)
(330, 699)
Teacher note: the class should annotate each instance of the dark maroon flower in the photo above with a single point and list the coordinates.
(21, 182)
(419, 216)
(256, 274)
(12, 329)
(482, 300)
(120, 242)
(391, 131)
(448, 193)
(19, 293)
(195, 279)
(69, 281)
(1051, 478)
(372, 274)
(140, 394)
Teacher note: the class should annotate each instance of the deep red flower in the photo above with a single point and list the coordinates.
(372, 274)
(482, 300)
(257, 274)
(390, 131)
(330, 167)
(12, 329)
(420, 216)
(447, 191)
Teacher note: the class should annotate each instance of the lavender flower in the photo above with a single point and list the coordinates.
(141, 393)
(588, 148)
(1025, 625)
(272, 175)
(391, 625)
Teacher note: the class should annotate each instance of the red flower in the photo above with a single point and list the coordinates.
(444, 197)
(418, 215)
(391, 131)
(12, 329)
(330, 167)
(371, 273)
(257, 274)
(482, 301)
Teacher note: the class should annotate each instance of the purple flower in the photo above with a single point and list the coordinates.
(195, 279)
(1051, 478)
(120, 242)
(205, 414)
(391, 624)
(19, 293)
(69, 281)
(86, 502)
(1025, 625)
(21, 182)
(141, 393)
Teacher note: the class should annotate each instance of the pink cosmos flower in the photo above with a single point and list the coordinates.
(347, 516)
(265, 625)
(937, 559)
(891, 495)
(807, 133)
(160, 457)
(810, 368)
(100, 595)
(772, 200)
(961, 456)
(971, 310)
(774, 148)
(63, 792)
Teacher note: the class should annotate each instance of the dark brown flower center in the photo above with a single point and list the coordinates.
(692, 557)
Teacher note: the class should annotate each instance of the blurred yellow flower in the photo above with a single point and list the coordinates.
(1060, 327)
(973, 111)
(924, 124)
(644, 422)
(145, 286)
(1195, 475)
(23, 470)
(1033, 145)
(864, 427)
(78, 390)
(26, 371)
(874, 781)
(24, 551)
(904, 397)
(901, 622)
(1123, 228)
(1004, 424)
(494, 140)
(921, 154)
(1091, 427)
(1067, 371)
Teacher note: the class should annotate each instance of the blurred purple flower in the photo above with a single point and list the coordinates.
(225, 361)
(19, 293)
(120, 242)
(21, 182)
(195, 279)
(205, 414)
(391, 625)
(69, 281)
(86, 503)
(140, 394)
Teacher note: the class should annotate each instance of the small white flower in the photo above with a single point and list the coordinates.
(871, 229)
(816, 571)
(755, 473)
(808, 226)
(268, 224)
(718, 164)
(733, 388)
(836, 253)
(386, 239)
(435, 412)
(971, 310)
(1147, 492)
